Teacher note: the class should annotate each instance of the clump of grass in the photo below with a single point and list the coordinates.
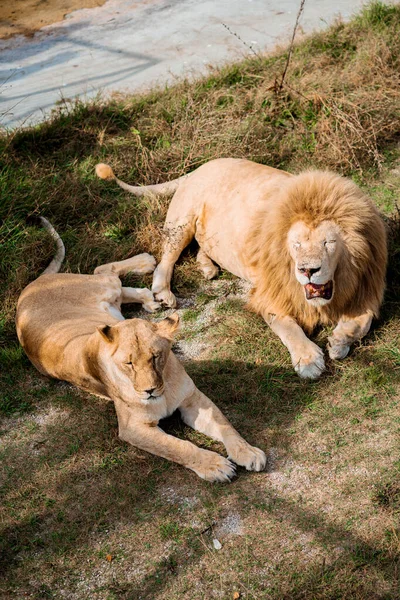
(378, 16)
(387, 495)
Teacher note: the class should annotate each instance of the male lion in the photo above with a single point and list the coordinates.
(71, 328)
(313, 246)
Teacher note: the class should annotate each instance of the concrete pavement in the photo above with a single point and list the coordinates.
(129, 45)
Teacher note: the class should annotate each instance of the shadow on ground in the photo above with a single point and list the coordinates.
(77, 479)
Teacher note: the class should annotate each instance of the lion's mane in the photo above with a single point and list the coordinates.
(312, 197)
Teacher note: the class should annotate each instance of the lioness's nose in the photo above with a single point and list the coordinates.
(309, 272)
(150, 391)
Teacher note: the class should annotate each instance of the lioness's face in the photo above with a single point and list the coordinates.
(137, 352)
(316, 253)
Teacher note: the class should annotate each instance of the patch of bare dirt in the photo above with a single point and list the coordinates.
(25, 17)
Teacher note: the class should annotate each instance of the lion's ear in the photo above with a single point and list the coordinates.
(106, 333)
(167, 327)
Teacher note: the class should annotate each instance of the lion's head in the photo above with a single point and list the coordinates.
(316, 252)
(133, 354)
(321, 254)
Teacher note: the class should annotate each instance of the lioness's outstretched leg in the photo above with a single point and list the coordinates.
(139, 264)
(307, 357)
(178, 234)
(148, 436)
(346, 332)
(200, 413)
(206, 265)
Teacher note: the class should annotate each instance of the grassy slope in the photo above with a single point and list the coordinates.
(323, 523)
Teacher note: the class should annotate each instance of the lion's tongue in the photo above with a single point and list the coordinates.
(315, 290)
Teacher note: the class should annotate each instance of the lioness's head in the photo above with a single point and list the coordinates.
(134, 353)
(316, 252)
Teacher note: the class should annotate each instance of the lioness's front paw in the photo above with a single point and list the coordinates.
(337, 349)
(215, 468)
(151, 306)
(310, 363)
(250, 457)
(143, 263)
(147, 300)
(166, 297)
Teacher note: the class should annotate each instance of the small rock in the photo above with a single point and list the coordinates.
(217, 544)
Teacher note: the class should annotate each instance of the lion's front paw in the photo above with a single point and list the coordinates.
(215, 468)
(166, 297)
(250, 457)
(337, 348)
(309, 363)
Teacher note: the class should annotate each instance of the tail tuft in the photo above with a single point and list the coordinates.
(104, 171)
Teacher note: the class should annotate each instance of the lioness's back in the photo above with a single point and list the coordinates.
(54, 309)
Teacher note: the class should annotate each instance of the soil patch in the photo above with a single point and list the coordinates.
(25, 17)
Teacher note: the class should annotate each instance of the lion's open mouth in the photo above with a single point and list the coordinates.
(323, 290)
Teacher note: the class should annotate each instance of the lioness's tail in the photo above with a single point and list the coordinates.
(105, 172)
(56, 263)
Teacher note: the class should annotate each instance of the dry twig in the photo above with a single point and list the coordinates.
(302, 3)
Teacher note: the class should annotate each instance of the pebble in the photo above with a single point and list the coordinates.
(217, 544)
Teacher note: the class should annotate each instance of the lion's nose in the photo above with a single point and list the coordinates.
(309, 272)
(150, 391)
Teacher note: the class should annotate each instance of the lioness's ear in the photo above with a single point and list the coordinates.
(167, 327)
(106, 333)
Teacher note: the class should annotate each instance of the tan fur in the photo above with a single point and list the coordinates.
(72, 329)
(283, 233)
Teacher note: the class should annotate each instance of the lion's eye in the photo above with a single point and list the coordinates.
(157, 359)
(329, 242)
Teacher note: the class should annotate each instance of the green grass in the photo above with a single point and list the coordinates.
(322, 522)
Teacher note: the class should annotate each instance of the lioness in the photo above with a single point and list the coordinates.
(313, 246)
(71, 328)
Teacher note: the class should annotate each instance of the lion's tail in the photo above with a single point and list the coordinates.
(56, 263)
(105, 172)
